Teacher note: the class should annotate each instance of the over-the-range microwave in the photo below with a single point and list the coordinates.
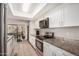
(44, 23)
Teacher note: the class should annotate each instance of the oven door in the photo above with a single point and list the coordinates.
(39, 45)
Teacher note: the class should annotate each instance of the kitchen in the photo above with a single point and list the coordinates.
(51, 29)
(64, 26)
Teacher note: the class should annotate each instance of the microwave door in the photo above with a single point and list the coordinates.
(47, 23)
(44, 24)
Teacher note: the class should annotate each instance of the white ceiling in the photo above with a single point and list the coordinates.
(35, 10)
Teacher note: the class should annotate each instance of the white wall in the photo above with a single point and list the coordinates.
(18, 22)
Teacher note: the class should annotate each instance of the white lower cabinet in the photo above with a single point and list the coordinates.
(47, 49)
(64, 15)
(51, 50)
(14, 46)
(32, 40)
(9, 47)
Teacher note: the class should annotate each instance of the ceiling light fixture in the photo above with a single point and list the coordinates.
(26, 7)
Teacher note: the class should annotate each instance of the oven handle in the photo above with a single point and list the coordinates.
(39, 40)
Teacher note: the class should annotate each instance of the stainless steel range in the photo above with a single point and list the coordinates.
(39, 42)
(39, 47)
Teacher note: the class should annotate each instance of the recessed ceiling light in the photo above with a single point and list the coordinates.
(26, 7)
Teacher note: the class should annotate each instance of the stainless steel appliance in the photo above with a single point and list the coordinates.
(44, 23)
(37, 32)
(49, 35)
(39, 41)
(39, 45)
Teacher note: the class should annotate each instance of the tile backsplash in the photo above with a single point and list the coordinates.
(66, 32)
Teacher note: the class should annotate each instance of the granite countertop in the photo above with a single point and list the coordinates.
(69, 45)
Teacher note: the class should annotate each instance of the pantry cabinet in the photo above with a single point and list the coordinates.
(51, 50)
(32, 33)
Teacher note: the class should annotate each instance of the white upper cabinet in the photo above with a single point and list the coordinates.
(64, 15)
(56, 18)
(71, 15)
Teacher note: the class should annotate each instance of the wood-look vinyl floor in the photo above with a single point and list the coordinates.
(24, 49)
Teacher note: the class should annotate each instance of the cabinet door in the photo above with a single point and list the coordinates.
(14, 46)
(47, 49)
(31, 33)
(71, 15)
(32, 40)
(56, 18)
(56, 51)
(51, 21)
(61, 17)
(9, 47)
